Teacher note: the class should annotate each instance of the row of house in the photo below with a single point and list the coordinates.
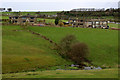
(24, 19)
(83, 22)
(94, 23)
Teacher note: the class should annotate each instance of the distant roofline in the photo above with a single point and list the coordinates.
(23, 16)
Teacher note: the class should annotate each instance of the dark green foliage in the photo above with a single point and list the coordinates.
(57, 20)
(90, 14)
(64, 45)
(70, 48)
(78, 53)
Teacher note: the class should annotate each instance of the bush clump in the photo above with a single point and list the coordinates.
(78, 53)
(70, 48)
(61, 23)
(64, 45)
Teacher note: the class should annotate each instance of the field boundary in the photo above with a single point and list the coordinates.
(42, 36)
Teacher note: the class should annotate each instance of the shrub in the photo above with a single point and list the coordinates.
(78, 53)
(66, 25)
(64, 45)
(57, 20)
(70, 48)
(61, 24)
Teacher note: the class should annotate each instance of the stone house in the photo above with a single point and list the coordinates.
(22, 19)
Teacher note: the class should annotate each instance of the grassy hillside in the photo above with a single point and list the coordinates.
(103, 44)
(23, 51)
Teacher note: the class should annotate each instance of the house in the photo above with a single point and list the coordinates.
(94, 23)
(97, 23)
(77, 22)
(22, 19)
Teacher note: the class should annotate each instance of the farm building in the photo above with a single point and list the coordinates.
(22, 19)
(94, 23)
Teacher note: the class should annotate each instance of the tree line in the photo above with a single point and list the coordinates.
(108, 12)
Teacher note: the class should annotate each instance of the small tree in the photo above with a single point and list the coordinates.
(78, 53)
(57, 20)
(64, 45)
(70, 48)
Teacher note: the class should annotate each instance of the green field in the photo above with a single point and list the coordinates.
(103, 44)
(106, 73)
(113, 25)
(23, 51)
(5, 17)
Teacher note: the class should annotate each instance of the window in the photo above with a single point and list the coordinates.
(81, 20)
(15, 21)
(81, 23)
(32, 17)
(97, 23)
(93, 23)
(24, 21)
(16, 17)
(31, 21)
(74, 21)
(74, 24)
(104, 23)
(90, 23)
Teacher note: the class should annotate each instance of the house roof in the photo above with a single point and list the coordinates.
(22, 16)
(89, 19)
(27, 16)
(13, 16)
